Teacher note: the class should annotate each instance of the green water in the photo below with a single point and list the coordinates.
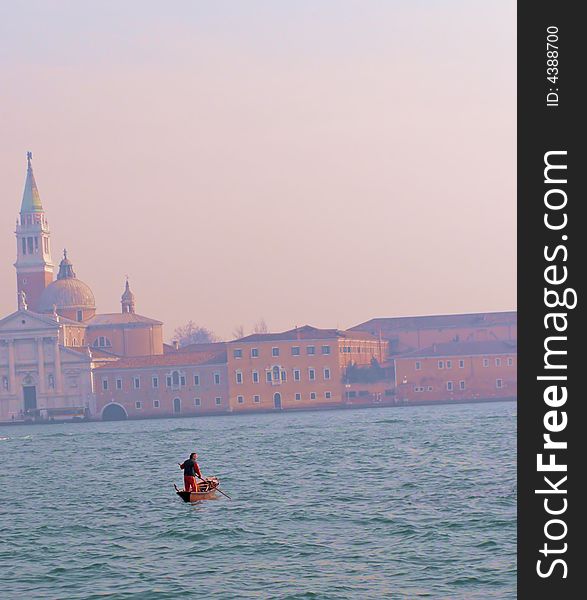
(398, 503)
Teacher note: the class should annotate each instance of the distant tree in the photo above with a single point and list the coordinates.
(261, 326)
(190, 333)
(238, 332)
(363, 374)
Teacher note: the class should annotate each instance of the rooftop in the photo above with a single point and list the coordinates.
(307, 332)
(486, 319)
(464, 349)
(174, 359)
(105, 319)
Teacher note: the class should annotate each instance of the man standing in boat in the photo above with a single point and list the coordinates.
(190, 470)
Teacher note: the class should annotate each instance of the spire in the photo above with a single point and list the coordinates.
(66, 268)
(128, 299)
(31, 201)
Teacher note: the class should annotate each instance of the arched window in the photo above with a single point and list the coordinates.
(175, 378)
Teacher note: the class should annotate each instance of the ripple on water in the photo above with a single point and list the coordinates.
(385, 503)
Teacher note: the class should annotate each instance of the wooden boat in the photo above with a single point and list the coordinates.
(206, 491)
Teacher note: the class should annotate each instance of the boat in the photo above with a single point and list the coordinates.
(206, 491)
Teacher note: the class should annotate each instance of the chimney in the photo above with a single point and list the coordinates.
(175, 345)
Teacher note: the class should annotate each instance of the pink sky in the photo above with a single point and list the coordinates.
(306, 162)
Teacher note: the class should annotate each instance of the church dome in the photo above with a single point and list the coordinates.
(67, 291)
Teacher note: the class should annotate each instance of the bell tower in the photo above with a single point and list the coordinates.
(34, 269)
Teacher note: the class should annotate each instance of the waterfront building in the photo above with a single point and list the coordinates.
(61, 358)
(458, 372)
(300, 368)
(173, 384)
(42, 376)
(406, 334)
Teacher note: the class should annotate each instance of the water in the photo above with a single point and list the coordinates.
(399, 503)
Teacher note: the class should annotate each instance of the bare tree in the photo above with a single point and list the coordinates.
(238, 332)
(261, 326)
(190, 333)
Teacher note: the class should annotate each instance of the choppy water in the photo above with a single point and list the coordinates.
(399, 503)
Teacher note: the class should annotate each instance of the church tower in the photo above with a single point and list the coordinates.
(34, 269)
(128, 300)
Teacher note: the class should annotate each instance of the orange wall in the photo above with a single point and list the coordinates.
(312, 393)
(207, 391)
(480, 381)
(130, 340)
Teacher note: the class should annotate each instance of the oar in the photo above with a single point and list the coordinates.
(216, 488)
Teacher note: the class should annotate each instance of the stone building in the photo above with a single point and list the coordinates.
(41, 375)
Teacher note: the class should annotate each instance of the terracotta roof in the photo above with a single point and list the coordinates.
(437, 321)
(166, 360)
(464, 349)
(306, 332)
(115, 319)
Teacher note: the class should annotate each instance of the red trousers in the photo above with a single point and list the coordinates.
(189, 484)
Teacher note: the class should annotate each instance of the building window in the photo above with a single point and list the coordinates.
(51, 382)
(182, 380)
(297, 374)
(510, 361)
(283, 375)
(237, 353)
(325, 349)
(240, 399)
(449, 364)
(80, 315)
(311, 374)
(498, 362)
(218, 400)
(328, 395)
(461, 385)
(29, 245)
(24, 245)
(295, 350)
(326, 374)
(499, 384)
(155, 381)
(155, 403)
(138, 405)
(274, 351)
(118, 383)
(441, 364)
(312, 395)
(256, 399)
(254, 352)
(217, 378)
(175, 379)
(136, 382)
(429, 388)
(268, 376)
(449, 386)
(461, 364)
(197, 402)
(105, 384)
(196, 380)
(102, 342)
(485, 362)
(311, 350)
(418, 365)
(239, 376)
(255, 376)
(298, 396)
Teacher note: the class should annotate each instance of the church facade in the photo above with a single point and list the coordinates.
(55, 340)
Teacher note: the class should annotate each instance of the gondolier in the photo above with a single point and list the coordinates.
(190, 470)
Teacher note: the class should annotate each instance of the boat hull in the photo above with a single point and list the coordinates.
(206, 491)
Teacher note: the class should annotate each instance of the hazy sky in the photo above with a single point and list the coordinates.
(307, 161)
